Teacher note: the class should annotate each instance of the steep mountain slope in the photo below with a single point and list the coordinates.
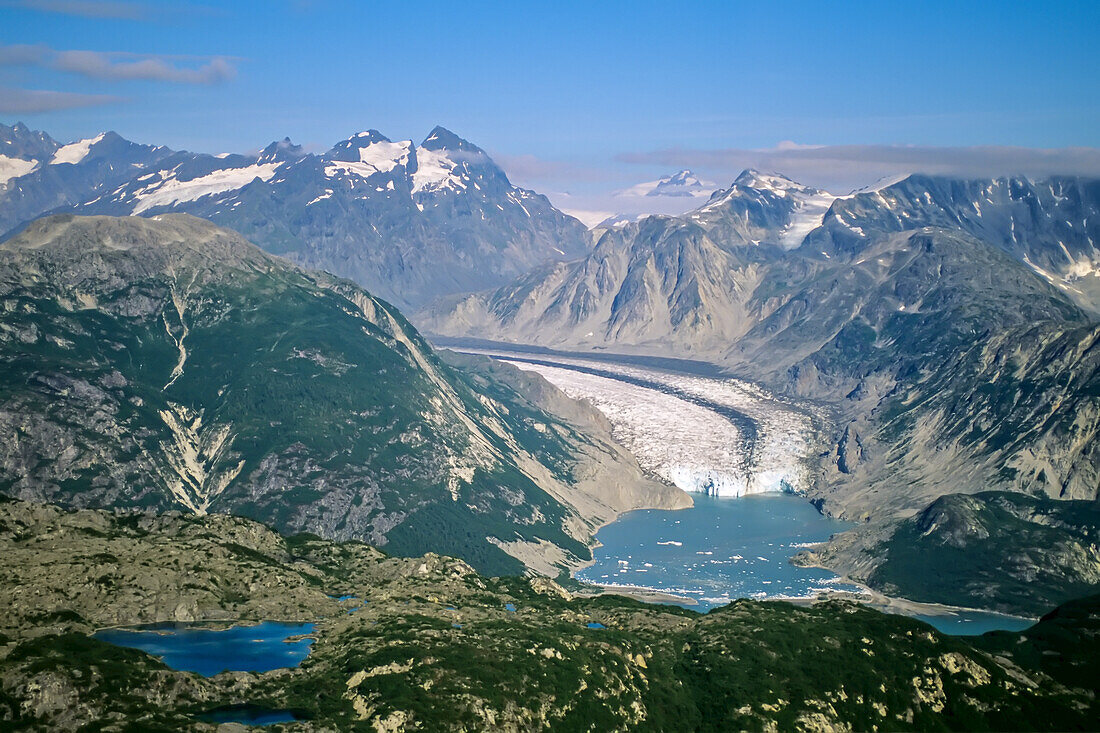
(946, 324)
(1052, 225)
(427, 644)
(408, 222)
(167, 363)
(697, 282)
(995, 550)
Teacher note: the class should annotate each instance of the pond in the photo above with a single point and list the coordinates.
(248, 715)
(209, 650)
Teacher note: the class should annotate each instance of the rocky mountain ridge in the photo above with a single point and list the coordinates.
(167, 363)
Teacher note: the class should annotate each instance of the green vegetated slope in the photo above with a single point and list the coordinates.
(169, 364)
(995, 550)
(432, 645)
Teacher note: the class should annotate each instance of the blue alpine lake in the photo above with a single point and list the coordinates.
(723, 549)
(210, 651)
(248, 715)
(719, 550)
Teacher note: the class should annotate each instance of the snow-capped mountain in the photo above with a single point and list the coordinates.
(410, 223)
(39, 174)
(680, 184)
(22, 150)
(671, 195)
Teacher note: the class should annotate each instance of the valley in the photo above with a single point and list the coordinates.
(719, 439)
(881, 401)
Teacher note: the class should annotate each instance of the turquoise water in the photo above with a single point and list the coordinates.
(209, 651)
(974, 623)
(719, 550)
(723, 549)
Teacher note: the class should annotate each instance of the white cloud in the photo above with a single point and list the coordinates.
(112, 66)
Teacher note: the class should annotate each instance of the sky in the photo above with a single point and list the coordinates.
(580, 100)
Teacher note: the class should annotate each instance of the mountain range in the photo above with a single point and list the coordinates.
(949, 326)
(407, 222)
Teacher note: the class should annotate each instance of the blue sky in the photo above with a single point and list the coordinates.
(569, 96)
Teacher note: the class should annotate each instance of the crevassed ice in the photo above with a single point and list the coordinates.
(687, 444)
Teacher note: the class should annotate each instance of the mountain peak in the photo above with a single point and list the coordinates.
(19, 141)
(440, 138)
(281, 150)
(349, 149)
(368, 136)
(752, 178)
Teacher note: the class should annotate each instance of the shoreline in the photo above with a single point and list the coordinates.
(868, 597)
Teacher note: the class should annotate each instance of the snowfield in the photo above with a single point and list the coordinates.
(75, 152)
(173, 191)
(721, 437)
(14, 167)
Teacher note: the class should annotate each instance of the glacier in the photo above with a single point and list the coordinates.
(721, 437)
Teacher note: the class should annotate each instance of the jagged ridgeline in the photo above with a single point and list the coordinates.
(169, 364)
(409, 222)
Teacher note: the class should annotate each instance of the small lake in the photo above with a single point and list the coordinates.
(209, 651)
(248, 715)
(717, 551)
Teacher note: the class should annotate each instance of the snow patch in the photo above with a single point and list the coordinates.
(379, 157)
(435, 170)
(14, 167)
(174, 191)
(75, 152)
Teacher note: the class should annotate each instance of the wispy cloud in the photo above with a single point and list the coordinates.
(84, 8)
(32, 101)
(22, 54)
(113, 66)
(118, 66)
(843, 167)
